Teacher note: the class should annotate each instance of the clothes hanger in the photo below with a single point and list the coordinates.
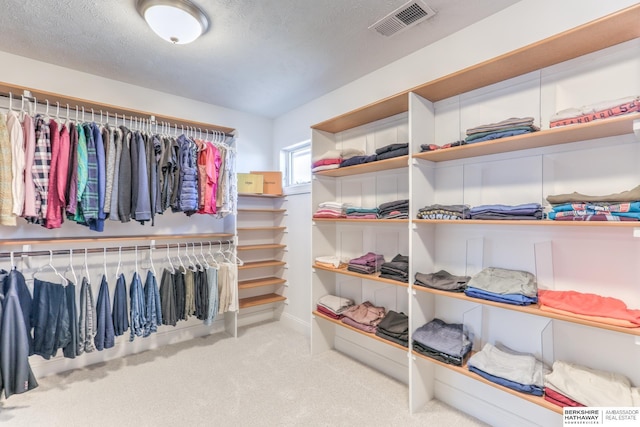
(50, 265)
(153, 268)
(204, 258)
(119, 261)
(136, 270)
(198, 264)
(192, 265)
(86, 267)
(222, 253)
(213, 258)
(10, 101)
(237, 261)
(13, 264)
(173, 270)
(70, 268)
(184, 269)
(104, 261)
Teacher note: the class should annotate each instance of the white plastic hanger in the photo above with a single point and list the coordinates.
(153, 268)
(50, 265)
(204, 258)
(212, 257)
(173, 270)
(235, 257)
(70, 267)
(192, 264)
(119, 261)
(184, 269)
(104, 262)
(86, 267)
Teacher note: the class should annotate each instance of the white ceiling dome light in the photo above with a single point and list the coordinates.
(176, 21)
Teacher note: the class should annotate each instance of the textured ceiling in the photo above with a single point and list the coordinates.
(260, 56)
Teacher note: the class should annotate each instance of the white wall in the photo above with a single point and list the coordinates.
(525, 22)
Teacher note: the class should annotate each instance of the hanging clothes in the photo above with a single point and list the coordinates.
(168, 299)
(179, 288)
(71, 349)
(120, 313)
(101, 177)
(16, 375)
(72, 176)
(83, 174)
(6, 197)
(137, 310)
(28, 128)
(125, 177)
(115, 187)
(212, 284)
(105, 334)
(16, 138)
(189, 293)
(40, 169)
(153, 311)
(86, 319)
(50, 318)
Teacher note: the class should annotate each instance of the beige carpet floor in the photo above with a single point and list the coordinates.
(266, 377)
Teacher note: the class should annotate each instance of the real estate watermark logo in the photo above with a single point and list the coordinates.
(605, 416)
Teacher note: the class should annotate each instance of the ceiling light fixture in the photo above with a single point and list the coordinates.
(176, 21)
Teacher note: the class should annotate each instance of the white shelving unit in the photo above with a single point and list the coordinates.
(261, 246)
(578, 67)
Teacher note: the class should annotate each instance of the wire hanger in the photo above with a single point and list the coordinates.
(86, 267)
(173, 270)
(104, 262)
(119, 261)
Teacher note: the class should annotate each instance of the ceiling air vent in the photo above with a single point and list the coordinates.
(405, 16)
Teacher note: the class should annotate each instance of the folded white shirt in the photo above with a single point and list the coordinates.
(333, 205)
(335, 303)
(343, 153)
(591, 387)
(333, 260)
(570, 113)
(506, 363)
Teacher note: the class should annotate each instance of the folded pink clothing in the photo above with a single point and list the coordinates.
(588, 304)
(559, 398)
(328, 213)
(325, 162)
(358, 325)
(606, 320)
(368, 216)
(365, 313)
(328, 312)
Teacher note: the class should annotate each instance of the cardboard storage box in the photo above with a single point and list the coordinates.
(272, 181)
(250, 183)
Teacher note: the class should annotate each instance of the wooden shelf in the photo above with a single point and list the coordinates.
(375, 277)
(270, 228)
(348, 220)
(464, 370)
(351, 328)
(378, 166)
(260, 300)
(545, 222)
(275, 211)
(259, 247)
(261, 264)
(533, 309)
(70, 240)
(256, 283)
(599, 34)
(263, 196)
(621, 125)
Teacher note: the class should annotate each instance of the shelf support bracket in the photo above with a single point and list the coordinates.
(636, 129)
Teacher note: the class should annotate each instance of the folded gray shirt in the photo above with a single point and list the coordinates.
(502, 281)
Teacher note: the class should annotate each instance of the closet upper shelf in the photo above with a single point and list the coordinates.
(71, 240)
(545, 222)
(264, 196)
(63, 100)
(378, 166)
(614, 126)
(593, 36)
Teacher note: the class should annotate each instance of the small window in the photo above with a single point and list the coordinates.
(297, 164)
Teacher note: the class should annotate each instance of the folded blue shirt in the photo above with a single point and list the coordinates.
(524, 388)
(515, 299)
(498, 135)
(523, 209)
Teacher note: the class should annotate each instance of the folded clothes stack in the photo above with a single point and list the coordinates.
(442, 280)
(331, 261)
(434, 147)
(624, 206)
(394, 327)
(610, 311)
(362, 213)
(396, 269)
(507, 212)
(333, 158)
(332, 209)
(333, 306)
(365, 316)
(518, 371)
(589, 387)
(368, 263)
(392, 150)
(398, 209)
(509, 127)
(502, 285)
(438, 211)
(446, 342)
(358, 160)
(597, 111)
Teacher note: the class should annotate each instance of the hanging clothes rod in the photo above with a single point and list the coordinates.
(108, 249)
(42, 98)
